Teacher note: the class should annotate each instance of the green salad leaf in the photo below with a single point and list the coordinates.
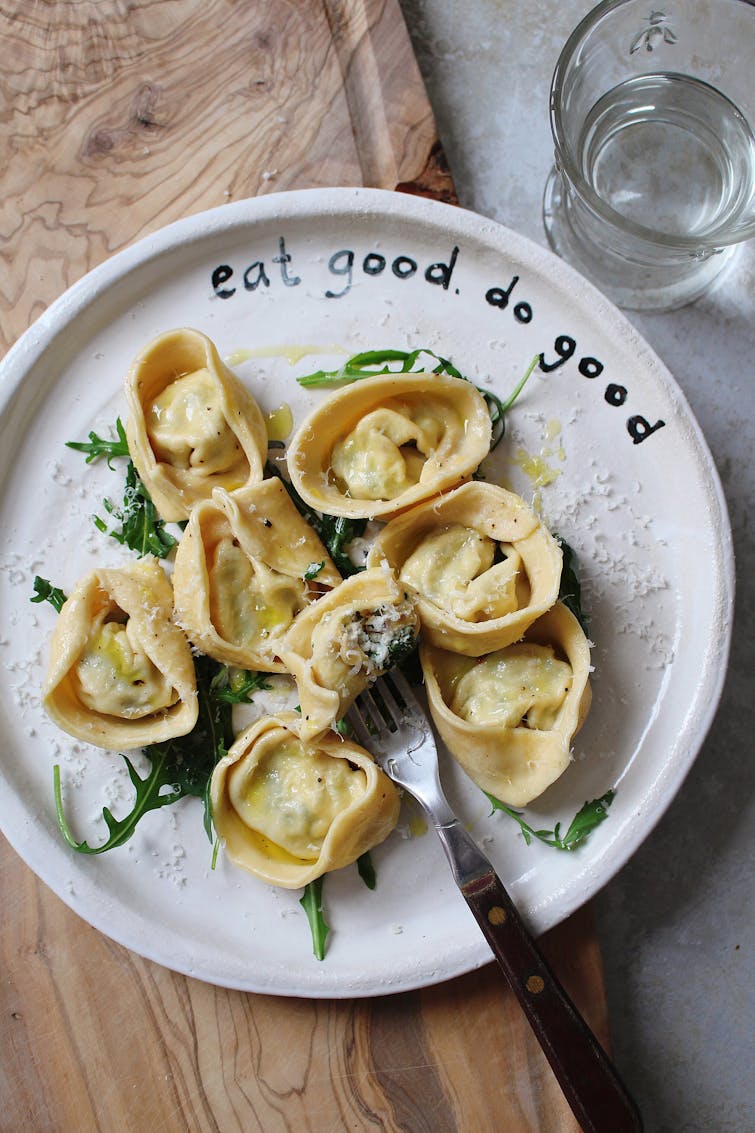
(141, 528)
(370, 363)
(581, 827)
(96, 446)
(235, 686)
(570, 590)
(311, 902)
(366, 869)
(157, 789)
(336, 532)
(44, 591)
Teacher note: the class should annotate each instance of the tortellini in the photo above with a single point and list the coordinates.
(481, 565)
(466, 565)
(509, 717)
(239, 577)
(388, 442)
(192, 425)
(121, 674)
(338, 646)
(289, 810)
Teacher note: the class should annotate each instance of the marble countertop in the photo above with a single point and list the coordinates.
(675, 922)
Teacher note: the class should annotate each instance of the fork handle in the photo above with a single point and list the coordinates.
(587, 1076)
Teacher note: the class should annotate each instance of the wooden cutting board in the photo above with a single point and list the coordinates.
(117, 119)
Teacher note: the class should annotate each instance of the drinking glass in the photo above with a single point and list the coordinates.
(652, 110)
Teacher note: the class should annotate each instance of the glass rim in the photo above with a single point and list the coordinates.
(568, 167)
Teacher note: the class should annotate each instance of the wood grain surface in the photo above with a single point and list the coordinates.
(117, 117)
(95, 1038)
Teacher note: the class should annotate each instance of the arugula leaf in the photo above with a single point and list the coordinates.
(149, 796)
(506, 405)
(497, 409)
(311, 902)
(313, 570)
(141, 528)
(570, 590)
(336, 533)
(367, 869)
(44, 591)
(371, 363)
(581, 827)
(586, 819)
(179, 767)
(99, 446)
(207, 816)
(235, 686)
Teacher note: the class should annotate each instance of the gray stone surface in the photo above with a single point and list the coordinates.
(675, 922)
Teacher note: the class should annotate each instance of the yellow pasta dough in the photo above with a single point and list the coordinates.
(289, 811)
(388, 442)
(347, 639)
(239, 577)
(192, 425)
(466, 565)
(509, 717)
(121, 674)
(480, 564)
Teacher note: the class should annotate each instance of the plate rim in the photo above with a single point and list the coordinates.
(372, 204)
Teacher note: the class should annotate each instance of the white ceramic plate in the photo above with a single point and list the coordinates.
(640, 502)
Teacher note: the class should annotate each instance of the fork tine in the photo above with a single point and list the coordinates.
(403, 688)
(361, 731)
(368, 705)
(383, 688)
(377, 710)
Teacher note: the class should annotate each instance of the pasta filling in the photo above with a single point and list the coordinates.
(248, 599)
(116, 678)
(187, 428)
(386, 452)
(455, 567)
(348, 648)
(293, 794)
(523, 685)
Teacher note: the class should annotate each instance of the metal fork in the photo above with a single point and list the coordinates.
(388, 720)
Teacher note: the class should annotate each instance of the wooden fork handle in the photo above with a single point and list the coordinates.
(588, 1078)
